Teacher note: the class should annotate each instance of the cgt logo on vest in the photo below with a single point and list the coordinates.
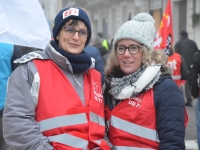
(135, 101)
(172, 64)
(97, 91)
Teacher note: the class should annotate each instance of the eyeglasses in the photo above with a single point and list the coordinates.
(71, 31)
(133, 49)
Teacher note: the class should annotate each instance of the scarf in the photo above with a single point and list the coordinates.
(79, 62)
(134, 84)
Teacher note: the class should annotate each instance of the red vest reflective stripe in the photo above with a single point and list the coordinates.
(62, 117)
(129, 119)
(175, 62)
(133, 123)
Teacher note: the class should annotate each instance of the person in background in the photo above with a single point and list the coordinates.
(105, 57)
(104, 41)
(8, 53)
(99, 64)
(186, 48)
(54, 98)
(97, 43)
(144, 107)
(179, 68)
(195, 90)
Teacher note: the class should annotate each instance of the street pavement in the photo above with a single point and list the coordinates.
(191, 133)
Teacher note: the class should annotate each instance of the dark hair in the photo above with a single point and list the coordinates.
(184, 34)
(74, 22)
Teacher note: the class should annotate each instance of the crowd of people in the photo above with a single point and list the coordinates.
(108, 96)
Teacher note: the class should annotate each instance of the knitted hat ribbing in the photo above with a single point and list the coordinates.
(141, 29)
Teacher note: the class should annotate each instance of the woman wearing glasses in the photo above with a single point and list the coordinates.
(144, 107)
(54, 98)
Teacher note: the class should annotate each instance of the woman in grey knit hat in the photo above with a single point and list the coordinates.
(144, 106)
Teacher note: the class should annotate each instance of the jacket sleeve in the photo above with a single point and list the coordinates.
(21, 131)
(170, 111)
(193, 75)
(184, 70)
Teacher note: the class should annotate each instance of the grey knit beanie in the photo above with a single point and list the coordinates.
(141, 29)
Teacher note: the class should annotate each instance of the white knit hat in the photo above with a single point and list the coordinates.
(141, 29)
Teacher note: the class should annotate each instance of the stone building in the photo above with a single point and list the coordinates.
(108, 15)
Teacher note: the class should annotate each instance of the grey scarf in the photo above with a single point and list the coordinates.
(135, 83)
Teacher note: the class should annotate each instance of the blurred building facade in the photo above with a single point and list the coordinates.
(108, 15)
(51, 8)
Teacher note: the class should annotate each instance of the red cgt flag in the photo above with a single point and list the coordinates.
(164, 36)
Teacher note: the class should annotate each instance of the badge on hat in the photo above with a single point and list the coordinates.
(69, 12)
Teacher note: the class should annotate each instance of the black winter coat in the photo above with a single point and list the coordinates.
(17, 53)
(194, 74)
(186, 48)
(101, 49)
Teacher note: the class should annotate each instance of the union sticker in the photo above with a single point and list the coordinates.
(70, 12)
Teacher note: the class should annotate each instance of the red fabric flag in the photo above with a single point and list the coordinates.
(164, 36)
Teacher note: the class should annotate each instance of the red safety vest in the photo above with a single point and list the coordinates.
(175, 62)
(60, 114)
(132, 123)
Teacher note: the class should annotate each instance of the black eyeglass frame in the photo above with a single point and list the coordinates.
(64, 27)
(128, 49)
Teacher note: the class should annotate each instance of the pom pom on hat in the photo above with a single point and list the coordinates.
(71, 13)
(141, 29)
(143, 17)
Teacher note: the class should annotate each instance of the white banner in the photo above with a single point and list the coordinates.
(23, 22)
